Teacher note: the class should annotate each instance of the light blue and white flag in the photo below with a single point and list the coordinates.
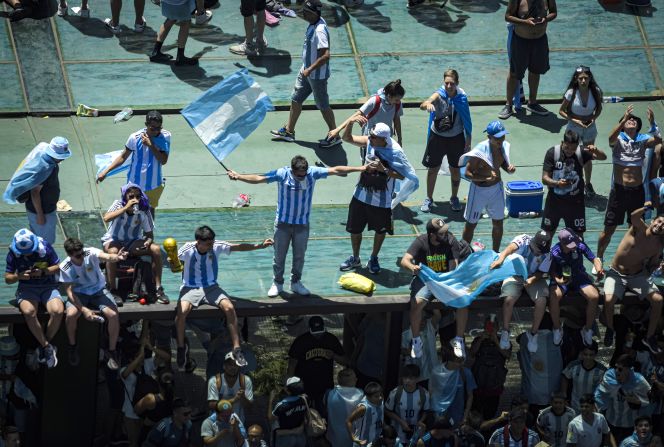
(462, 285)
(224, 115)
(104, 160)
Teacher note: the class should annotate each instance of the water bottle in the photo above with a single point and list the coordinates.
(613, 99)
(97, 319)
(135, 209)
(240, 201)
(123, 115)
(528, 214)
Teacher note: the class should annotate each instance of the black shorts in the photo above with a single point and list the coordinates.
(622, 201)
(251, 7)
(361, 214)
(438, 147)
(571, 209)
(529, 54)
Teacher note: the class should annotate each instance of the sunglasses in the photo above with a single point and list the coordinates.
(582, 69)
(77, 255)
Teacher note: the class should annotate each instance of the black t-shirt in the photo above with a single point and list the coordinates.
(290, 411)
(568, 168)
(315, 364)
(437, 257)
(50, 194)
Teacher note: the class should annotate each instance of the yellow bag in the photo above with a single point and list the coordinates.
(357, 283)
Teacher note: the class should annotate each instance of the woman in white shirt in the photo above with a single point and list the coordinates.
(582, 104)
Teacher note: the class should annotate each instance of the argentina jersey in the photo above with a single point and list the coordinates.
(201, 269)
(380, 197)
(370, 425)
(554, 427)
(128, 227)
(145, 169)
(317, 37)
(584, 381)
(295, 196)
(86, 278)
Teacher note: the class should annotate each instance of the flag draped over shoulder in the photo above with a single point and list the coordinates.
(462, 285)
(396, 158)
(33, 170)
(224, 115)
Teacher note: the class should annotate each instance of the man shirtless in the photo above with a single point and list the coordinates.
(529, 49)
(637, 255)
(629, 155)
(483, 165)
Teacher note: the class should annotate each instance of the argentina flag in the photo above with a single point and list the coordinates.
(227, 113)
(462, 285)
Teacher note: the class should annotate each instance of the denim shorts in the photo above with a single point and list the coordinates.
(305, 86)
(99, 300)
(38, 294)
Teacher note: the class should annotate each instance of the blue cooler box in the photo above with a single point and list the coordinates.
(524, 196)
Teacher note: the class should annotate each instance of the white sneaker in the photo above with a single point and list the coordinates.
(532, 342)
(459, 347)
(299, 289)
(426, 205)
(504, 340)
(115, 29)
(275, 290)
(594, 270)
(202, 19)
(416, 346)
(557, 337)
(587, 336)
(62, 10)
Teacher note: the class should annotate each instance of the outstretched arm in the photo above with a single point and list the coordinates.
(247, 178)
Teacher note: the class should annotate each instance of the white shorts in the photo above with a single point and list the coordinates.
(480, 197)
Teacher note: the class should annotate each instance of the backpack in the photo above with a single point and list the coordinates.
(556, 155)
(399, 393)
(489, 368)
(145, 384)
(377, 108)
(241, 378)
(142, 282)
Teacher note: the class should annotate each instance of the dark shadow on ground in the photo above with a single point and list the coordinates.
(91, 27)
(551, 122)
(275, 62)
(213, 35)
(433, 16)
(442, 208)
(407, 215)
(369, 16)
(621, 8)
(387, 278)
(481, 6)
(196, 76)
(139, 43)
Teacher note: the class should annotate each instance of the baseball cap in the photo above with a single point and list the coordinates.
(229, 356)
(541, 241)
(293, 380)
(24, 242)
(316, 325)
(435, 224)
(568, 238)
(314, 6)
(381, 130)
(496, 129)
(58, 148)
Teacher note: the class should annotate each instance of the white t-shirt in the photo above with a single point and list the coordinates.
(227, 392)
(577, 106)
(130, 387)
(582, 434)
(86, 278)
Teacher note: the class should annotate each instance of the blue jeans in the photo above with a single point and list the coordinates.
(46, 231)
(284, 234)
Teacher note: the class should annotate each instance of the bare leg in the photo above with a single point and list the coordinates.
(609, 309)
(540, 309)
(592, 300)
(588, 171)
(533, 85)
(356, 243)
(328, 116)
(497, 234)
(655, 312)
(55, 309)
(508, 309)
(293, 116)
(111, 268)
(71, 323)
(455, 180)
(231, 321)
(512, 83)
(377, 243)
(416, 309)
(116, 7)
(183, 34)
(260, 26)
(164, 29)
(29, 312)
(468, 232)
(604, 240)
(113, 320)
(249, 28)
(183, 309)
(432, 176)
(139, 7)
(157, 264)
(555, 295)
(461, 321)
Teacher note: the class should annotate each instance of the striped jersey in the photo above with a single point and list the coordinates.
(583, 434)
(554, 427)
(540, 263)
(610, 398)
(371, 423)
(86, 278)
(409, 408)
(379, 197)
(294, 196)
(498, 438)
(128, 227)
(145, 169)
(201, 269)
(317, 37)
(583, 381)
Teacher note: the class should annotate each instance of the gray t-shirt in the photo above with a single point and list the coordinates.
(385, 114)
(445, 107)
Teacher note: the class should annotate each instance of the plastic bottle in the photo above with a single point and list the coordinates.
(528, 214)
(135, 208)
(613, 99)
(240, 201)
(123, 115)
(84, 110)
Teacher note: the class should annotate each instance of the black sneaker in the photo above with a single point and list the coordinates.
(537, 109)
(160, 58)
(182, 358)
(651, 344)
(608, 337)
(186, 61)
(74, 358)
(162, 298)
(590, 191)
(329, 142)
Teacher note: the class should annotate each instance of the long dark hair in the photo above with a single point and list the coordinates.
(592, 85)
(394, 88)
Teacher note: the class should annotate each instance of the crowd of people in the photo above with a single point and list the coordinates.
(447, 396)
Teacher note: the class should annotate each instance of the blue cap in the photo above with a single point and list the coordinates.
(496, 129)
(58, 148)
(24, 242)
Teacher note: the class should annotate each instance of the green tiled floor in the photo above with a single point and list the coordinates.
(378, 42)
